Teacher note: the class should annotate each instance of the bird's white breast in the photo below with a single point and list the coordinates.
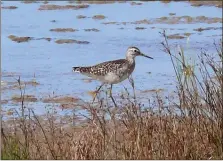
(116, 77)
(113, 78)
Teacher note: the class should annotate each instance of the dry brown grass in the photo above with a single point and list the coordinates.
(189, 126)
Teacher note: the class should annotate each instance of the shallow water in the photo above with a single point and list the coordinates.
(52, 63)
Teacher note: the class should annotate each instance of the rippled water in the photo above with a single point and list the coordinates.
(51, 63)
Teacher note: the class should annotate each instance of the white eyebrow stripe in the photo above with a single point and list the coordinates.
(134, 49)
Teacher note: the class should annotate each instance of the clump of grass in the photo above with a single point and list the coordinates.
(188, 126)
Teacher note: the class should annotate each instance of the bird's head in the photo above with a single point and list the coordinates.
(132, 52)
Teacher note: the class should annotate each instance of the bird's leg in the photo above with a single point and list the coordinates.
(131, 81)
(97, 93)
(112, 97)
(133, 85)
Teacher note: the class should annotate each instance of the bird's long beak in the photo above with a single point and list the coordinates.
(141, 54)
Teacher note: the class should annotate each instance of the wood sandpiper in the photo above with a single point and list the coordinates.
(112, 72)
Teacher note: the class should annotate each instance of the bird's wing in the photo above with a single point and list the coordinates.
(106, 67)
(103, 68)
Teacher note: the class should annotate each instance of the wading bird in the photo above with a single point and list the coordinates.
(112, 72)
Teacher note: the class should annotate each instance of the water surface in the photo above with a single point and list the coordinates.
(52, 63)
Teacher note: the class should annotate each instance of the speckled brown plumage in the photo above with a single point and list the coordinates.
(103, 68)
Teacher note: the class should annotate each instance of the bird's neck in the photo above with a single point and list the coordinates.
(130, 59)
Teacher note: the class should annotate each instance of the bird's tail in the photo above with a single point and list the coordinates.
(82, 69)
(76, 69)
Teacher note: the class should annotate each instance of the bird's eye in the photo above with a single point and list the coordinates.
(135, 50)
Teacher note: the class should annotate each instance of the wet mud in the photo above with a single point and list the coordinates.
(70, 41)
(63, 30)
(60, 7)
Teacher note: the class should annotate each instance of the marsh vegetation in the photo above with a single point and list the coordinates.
(189, 127)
